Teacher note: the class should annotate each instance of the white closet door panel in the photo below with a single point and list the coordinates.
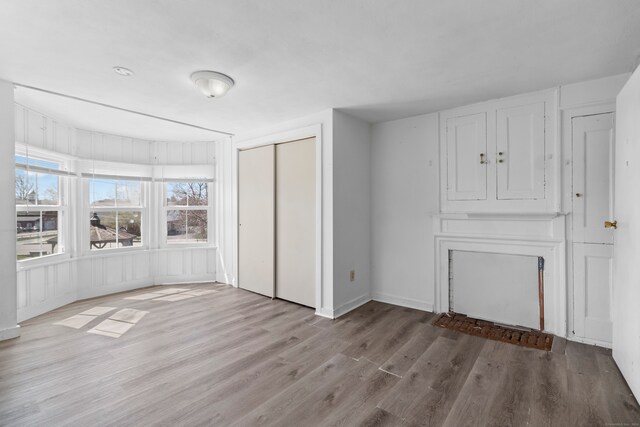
(520, 152)
(496, 287)
(256, 220)
(593, 278)
(593, 178)
(295, 221)
(466, 157)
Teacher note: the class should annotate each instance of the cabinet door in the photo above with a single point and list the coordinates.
(592, 291)
(520, 152)
(592, 178)
(466, 157)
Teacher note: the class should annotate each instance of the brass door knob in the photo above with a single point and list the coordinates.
(611, 224)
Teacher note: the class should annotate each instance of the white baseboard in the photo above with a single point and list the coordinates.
(589, 341)
(324, 312)
(34, 310)
(401, 301)
(351, 305)
(173, 280)
(9, 333)
(100, 291)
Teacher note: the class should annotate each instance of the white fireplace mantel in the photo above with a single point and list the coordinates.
(516, 234)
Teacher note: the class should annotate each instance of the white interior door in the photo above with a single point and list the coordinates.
(500, 288)
(467, 157)
(626, 258)
(520, 152)
(295, 221)
(593, 178)
(593, 275)
(256, 220)
(593, 155)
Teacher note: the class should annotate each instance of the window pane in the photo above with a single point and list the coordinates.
(25, 188)
(47, 187)
(196, 226)
(37, 234)
(128, 193)
(36, 162)
(187, 194)
(176, 226)
(176, 194)
(187, 226)
(102, 192)
(130, 226)
(115, 229)
(197, 194)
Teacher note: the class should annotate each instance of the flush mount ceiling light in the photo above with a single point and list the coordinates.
(212, 84)
(123, 71)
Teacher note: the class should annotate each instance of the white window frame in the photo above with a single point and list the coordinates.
(61, 208)
(166, 208)
(87, 209)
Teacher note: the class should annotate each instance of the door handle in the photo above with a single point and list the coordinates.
(611, 224)
(482, 159)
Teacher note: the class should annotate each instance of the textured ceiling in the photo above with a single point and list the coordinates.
(375, 59)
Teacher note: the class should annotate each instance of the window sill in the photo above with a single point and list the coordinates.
(185, 246)
(42, 261)
(113, 251)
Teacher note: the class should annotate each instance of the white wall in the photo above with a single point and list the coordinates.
(626, 286)
(351, 212)
(8, 308)
(224, 213)
(404, 188)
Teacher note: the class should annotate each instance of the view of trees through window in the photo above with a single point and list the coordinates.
(187, 212)
(37, 209)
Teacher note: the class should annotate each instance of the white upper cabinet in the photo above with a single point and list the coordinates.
(467, 157)
(499, 156)
(520, 147)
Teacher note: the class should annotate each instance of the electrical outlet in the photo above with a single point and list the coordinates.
(352, 275)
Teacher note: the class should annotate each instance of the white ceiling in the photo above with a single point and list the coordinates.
(375, 59)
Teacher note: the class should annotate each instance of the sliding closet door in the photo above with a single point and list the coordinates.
(295, 221)
(256, 205)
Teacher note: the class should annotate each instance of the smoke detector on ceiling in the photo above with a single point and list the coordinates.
(123, 71)
(211, 83)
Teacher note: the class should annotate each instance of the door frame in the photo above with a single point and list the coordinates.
(566, 117)
(313, 131)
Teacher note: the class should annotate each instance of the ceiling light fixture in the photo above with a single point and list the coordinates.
(211, 83)
(123, 71)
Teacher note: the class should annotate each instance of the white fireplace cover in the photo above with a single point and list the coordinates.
(500, 288)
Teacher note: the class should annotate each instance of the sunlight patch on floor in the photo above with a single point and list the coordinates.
(119, 323)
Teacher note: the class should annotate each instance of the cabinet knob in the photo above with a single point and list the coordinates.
(482, 159)
(500, 153)
(500, 161)
(578, 194)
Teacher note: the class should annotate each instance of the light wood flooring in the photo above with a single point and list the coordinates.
(237, 358)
